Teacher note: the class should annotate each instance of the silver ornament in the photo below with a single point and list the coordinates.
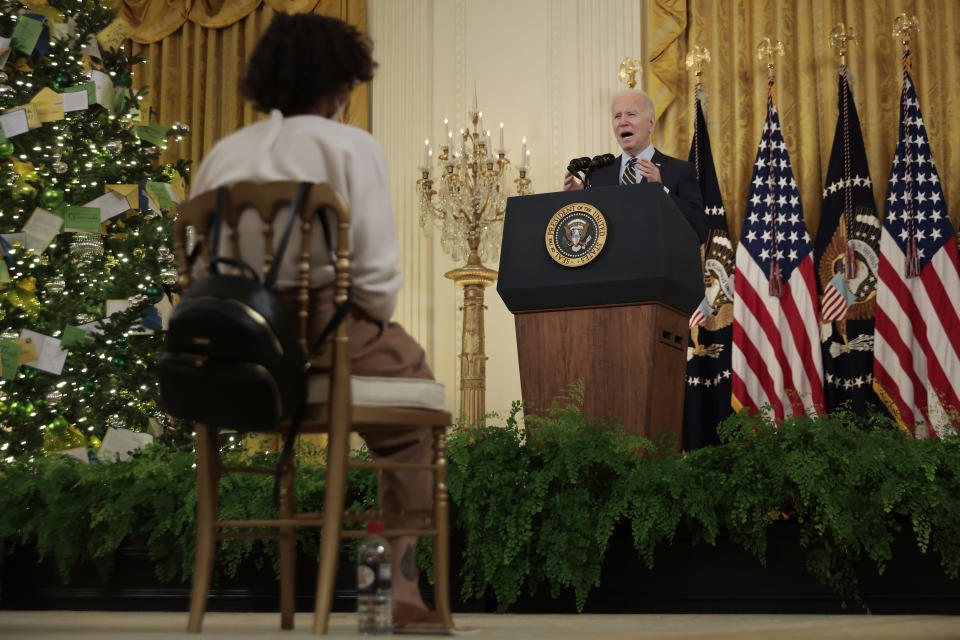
(5, 90)
(113, 146)
(115, 422)
(164, 255)
(86, 246)
(3, 76)
(55, 285)
(54, 396)
(168, 277)
(59, 166)
(83, 318)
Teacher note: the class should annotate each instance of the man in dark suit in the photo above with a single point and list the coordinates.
(633, 120)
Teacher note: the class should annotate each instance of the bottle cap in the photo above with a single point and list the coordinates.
(375, 526)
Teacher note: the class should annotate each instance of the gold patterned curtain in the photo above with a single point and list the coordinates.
(197, 51)
(806, 92)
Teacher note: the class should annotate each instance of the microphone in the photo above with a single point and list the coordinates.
(577, 165)
(601, 161)
(596, 163)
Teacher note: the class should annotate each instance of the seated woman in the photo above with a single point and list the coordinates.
(301, 73)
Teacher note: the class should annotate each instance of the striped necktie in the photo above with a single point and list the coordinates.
(629, 172)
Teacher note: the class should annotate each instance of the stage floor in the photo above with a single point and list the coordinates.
(39, 625)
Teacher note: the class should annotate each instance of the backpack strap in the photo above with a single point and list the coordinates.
(271, 278)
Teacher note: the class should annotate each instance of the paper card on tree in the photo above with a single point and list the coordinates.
(92, 48)
(81, 219)
(115, 34)
(154, 133)
(162, 194)
(119, 443)
(110, 204)
(9, 359)
(25, 34)
(80, 453)
(63, 29)
(140, 112)
(49, 105)
(129, 191)
(5, 50)
(103, 88)
(50, 353)
(11, 238)
(15, 122)
(28, 351)
(78, 98)
(73, 336)
(4, 272)
(41, 229)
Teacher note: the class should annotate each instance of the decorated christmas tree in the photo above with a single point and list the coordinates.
(87, 271)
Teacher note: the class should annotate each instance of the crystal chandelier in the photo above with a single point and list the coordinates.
(471, 198)
(471, 192)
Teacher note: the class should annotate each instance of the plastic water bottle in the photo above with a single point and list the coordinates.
(374, 599)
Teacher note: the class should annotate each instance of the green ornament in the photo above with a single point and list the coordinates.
(51, 198)
(89, 385)
(62, 81)
(123, 80)
(6, 148)
(30, 372)
(169, 171)
(122, 341)
(153, 292)
(120, 362)
(58, 423)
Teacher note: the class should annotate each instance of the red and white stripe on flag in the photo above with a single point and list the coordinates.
(835, 300)
(704, 310)
(917, 336)
(776, 356)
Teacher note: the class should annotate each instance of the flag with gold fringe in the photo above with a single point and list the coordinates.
(917, 337)
(845, 255)
(707, 396)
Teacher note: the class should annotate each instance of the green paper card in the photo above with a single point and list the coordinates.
(25, 34)
(154, 133)
(160, 194)
(9, 359)
(81, 219)
(4, 273)
(73, 336)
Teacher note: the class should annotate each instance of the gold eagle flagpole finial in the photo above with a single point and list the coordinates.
(629, 68)
(769, 51)
(840, 37)
(903, 27)
(696, 59)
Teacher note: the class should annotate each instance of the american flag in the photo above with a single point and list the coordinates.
(836, 299)
(703, 312)
(917, 364)
(776, 343)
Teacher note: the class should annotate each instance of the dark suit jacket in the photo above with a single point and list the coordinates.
(678, 176)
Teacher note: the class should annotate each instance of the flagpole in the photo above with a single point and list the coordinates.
(766, 49)
(696, 59)
(903, 26)
(840, 37)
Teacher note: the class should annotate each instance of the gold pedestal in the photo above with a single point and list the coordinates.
(474, 278)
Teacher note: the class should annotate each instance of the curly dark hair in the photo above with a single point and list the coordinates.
(301, 58)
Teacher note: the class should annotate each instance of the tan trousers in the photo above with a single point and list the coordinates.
(382, 349)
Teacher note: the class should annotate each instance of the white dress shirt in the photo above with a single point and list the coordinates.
(646, 154)
(316, 149)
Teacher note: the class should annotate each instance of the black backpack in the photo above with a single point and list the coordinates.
(232, 356)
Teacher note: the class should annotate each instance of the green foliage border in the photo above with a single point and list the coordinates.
(537, 507)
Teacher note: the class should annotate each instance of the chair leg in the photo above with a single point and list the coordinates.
(288, 547)
(208, 474)
(337, 452)
(441, 546)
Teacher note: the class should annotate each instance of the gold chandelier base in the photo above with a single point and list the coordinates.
(474, 278)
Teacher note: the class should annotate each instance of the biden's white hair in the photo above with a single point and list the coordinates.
(636, 92)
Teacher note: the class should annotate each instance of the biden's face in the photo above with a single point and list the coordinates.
(632, 123)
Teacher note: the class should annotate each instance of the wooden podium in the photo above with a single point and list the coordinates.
(619, 321)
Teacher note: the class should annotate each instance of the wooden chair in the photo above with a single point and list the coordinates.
(330, 410)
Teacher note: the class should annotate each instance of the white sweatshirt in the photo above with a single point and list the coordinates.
(316, 149)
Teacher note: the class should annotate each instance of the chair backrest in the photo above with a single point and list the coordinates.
(269, 200)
